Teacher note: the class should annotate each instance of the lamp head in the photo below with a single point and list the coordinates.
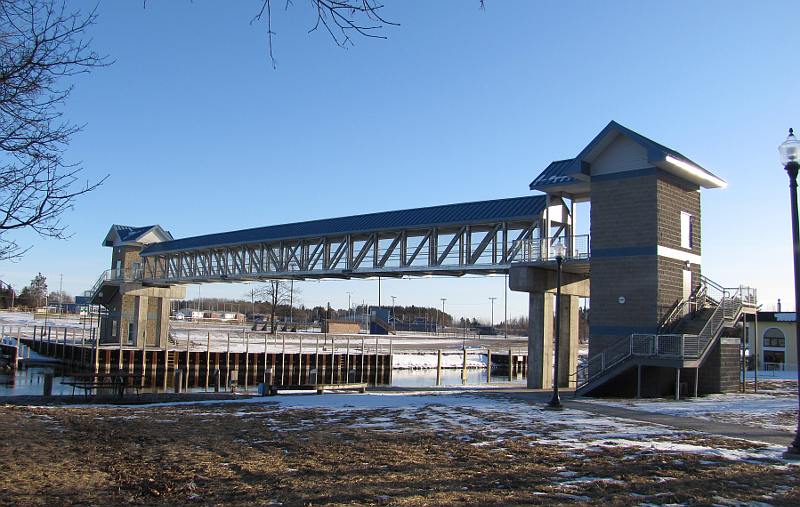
(790, 149)
(559, 250)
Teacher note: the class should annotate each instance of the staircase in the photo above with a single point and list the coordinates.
(685, 336)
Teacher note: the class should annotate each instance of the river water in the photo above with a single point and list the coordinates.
(30, 381)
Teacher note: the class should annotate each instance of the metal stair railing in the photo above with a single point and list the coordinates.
(728, 305)
(696, 301)
(115, 275)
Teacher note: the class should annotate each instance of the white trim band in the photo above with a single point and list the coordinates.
(671, 253)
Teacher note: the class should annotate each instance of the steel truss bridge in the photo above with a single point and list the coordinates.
(451, 240)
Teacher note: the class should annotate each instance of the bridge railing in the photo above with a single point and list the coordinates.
(543, 249)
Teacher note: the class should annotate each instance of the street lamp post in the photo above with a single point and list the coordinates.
(555, 401)
(790, 153)
(491, 324)
(349, 307)
(443, 300)
(394, 316)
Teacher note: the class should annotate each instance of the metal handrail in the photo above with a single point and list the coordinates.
(728, 307)
(116, 275)
(540, 249)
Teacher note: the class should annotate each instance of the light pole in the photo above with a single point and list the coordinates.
(349, 307)
(443, 300)
(790, 153)
(491, 324)
(555, 401)
(394, 316)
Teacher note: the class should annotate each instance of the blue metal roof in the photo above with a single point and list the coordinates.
(557, 173)
(560, 172)
(468, 213)
(128, 233)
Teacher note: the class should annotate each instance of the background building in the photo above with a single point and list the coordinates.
(775, 347)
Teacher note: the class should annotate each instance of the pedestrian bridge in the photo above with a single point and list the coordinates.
(482, 237)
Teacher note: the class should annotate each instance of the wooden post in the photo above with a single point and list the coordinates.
(439, 367)
(464, 368)
(283, 357)
(347, 360)
(333, 359)
(362, 360)
(228, 362)
(376, 360)
(677, 383)
(178, 384)
(188, 343)
(511, 371)
(96, 351)
(488, 366)
(208, 358)
(265, 353)
(246, 359)
(166, 369)
(16, 351)
(300, 363)
(144, 362)
(64, 348)
(83, 344)
(72, 348)
(696, 380)
(119, 360)
(639, 381)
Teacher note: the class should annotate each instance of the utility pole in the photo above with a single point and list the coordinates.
(349, 307)
(61, 294)
(394, 316)
(491, 324)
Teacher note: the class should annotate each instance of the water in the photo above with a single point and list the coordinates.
(450, 377)
(29, 381)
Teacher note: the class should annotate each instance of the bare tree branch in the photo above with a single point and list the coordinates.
(42, 45)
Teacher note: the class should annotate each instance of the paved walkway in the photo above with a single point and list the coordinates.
(770, 436)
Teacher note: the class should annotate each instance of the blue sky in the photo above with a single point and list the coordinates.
(199, 134)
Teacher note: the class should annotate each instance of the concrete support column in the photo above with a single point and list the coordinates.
(162, 326)
(141, 320)
(568, 344)
(540, 340)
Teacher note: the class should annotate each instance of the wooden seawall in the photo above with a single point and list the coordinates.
(156, 367)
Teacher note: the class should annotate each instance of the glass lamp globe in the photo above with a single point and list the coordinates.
(559, 250)
(789, 149)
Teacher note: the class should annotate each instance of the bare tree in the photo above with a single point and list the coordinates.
(42, 46)
(275, 293)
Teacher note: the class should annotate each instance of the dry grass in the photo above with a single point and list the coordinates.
(262, 455)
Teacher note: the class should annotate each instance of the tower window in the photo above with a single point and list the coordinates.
(687, 224)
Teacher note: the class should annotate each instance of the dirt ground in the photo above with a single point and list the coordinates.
(264, 454)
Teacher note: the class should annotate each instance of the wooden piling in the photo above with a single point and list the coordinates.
(246, 359)
(439, 367)
(16, 351)
(511, 372)
(362, 361)
(228, 362)
(300, 362)
(208, 357)
(488, 366)
(283, 357)
(96, 352)
(464, 367)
